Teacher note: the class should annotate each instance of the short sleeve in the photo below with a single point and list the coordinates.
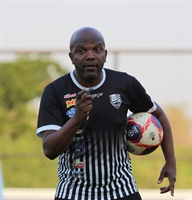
(140, 101)
(50, 111)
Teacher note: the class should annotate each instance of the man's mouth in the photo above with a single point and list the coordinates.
(90, 66)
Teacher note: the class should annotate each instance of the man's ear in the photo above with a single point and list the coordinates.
(105, 55)
(71, 57)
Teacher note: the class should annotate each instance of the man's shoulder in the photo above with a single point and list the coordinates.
(59, 82)
(117, 73)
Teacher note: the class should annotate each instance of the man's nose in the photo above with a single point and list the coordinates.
(90, 55)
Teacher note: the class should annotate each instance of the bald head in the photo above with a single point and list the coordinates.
(86, 34)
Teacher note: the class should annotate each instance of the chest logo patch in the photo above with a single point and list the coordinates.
(70, 103)
(71, 112)
(115, 100)
(67, 96)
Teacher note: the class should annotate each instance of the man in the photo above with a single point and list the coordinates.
(82, 120)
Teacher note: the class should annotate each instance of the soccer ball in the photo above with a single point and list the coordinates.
(144, 133)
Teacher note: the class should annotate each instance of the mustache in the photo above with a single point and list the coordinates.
(87, 64)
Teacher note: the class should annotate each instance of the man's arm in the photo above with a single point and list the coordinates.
(56, 142)
(169, 169)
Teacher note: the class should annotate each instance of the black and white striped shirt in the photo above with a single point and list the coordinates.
(103, 171)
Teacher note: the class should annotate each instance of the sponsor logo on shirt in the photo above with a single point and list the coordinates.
(77, 135)
(67, 96)
(115, 100)
(97, 95)
(70, 103)
(79, 165)
(71, 112)
(79, 131)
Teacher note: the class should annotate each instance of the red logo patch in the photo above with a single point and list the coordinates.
(67, 96)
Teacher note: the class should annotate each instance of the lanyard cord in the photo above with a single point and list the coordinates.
(83, 131)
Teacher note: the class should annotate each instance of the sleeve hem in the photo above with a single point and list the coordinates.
(153, 108)
(46, 128)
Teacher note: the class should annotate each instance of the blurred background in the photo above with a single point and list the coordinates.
(150, 40)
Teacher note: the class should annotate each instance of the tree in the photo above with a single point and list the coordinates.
(21, 81)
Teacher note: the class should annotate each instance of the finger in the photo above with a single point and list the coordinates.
(86, 92)
(160, 179)
(164, 189)
(81, 94)
(172, 186)
(172, 192)
(87, 96)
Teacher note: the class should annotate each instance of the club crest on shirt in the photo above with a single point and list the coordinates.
(115, 100)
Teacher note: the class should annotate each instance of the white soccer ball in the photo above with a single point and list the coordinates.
(144, 133)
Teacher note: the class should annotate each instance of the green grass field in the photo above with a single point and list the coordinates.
(25, 168)
(147, 169)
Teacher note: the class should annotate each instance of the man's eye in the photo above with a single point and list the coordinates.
(98, 49)
(81, 50)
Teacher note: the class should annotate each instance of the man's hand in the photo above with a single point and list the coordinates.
(83, 105)
(168, 171)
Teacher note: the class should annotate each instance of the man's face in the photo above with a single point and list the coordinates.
(88, 54)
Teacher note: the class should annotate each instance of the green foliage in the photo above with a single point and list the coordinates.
(22, 81)
(25, 79)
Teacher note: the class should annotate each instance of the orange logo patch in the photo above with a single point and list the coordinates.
(70, 103)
